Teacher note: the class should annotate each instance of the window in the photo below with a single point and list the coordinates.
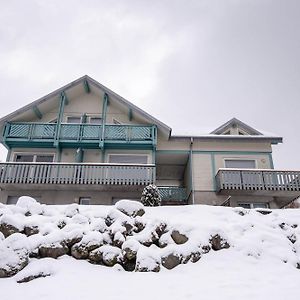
(84, 200)
(12, 199)
(128, 159)
(253, 205)
(34, 158)
(75, 120)
(95, 120)
(240, 163)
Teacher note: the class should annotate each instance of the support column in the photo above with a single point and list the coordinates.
(62, 102)
(104, 111)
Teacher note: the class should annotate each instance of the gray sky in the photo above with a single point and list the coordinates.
(192, 64)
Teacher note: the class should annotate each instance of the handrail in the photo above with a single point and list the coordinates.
(76, 173)
(79, 164)
(258, 179)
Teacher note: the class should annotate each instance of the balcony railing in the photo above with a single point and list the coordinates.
(172, 193)
(74, 174)
(16, 134)
(258, 180)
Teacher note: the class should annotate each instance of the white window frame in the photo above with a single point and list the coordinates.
(85, 198)
(35, 154)
(240, 159)
(128, 154)
(73, 116)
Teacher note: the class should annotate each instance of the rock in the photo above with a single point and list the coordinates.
(72, 210)
(8, 229)
(292, 238)
(53, 250)
(72, 241)
(30, 205)
(89, 242)
(12, 261)
(130, 249)
(264, 211)
(179, 238)
(61, 224)
(31, 230)
(32, 277)
(150, 266)
(205, 249)
(129, 227)
(130, 208)
(218, 243)
(195, 256)
(110, 255)
(118, 239)
(96, 256)
(171, 261)
(139, 225)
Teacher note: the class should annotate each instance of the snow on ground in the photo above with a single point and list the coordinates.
(261, 262)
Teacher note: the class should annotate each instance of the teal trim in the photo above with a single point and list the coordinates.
(213, 168)
(213, 152)
(86, 86)
(130, 114)
(8, 155)
(79, 155)
(271, 161)
(37, 112)
(153, 156)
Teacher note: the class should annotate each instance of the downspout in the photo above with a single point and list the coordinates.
(191, 170)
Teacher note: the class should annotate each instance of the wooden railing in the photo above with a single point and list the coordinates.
(71, 132)
(258, 179)
(172, 193)
(69, 173)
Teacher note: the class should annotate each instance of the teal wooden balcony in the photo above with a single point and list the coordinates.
(96, 175)
(173, 194)
(258, 181)
(79, 135)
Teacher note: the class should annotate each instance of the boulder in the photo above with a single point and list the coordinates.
(292, 238)
(118, 239)
(147, 265)
(88, 243)
(53, 250)
(130, 249)
(12, 261)
(205, 249)
(130, 208)
(8, 229)
(139, 224)
(218, 243)
(31, 230)
(179, 238)
(171, 261)
(110, 255)
(30, 206)
(96, 256)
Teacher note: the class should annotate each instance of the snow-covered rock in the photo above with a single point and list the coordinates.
(130, 208)
(30, 205)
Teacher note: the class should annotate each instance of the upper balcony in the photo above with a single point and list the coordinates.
(22, 134)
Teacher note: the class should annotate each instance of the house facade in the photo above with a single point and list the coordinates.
(84, 143)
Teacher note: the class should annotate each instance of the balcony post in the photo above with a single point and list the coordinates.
(62, 102)
(104, 110)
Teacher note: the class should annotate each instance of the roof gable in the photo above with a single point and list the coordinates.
(87, 84)
(235, 127)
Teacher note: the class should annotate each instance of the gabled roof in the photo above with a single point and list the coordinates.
(234, 122)
(96, 84)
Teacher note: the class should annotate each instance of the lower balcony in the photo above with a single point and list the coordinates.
(274, 183)
(173, 195)
(91, 175)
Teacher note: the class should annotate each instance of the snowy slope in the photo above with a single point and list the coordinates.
(261, 262)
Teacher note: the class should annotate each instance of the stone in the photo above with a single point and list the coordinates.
(179, 238)
(96, 256)
(130, 208)
(154, 266)
(205, 249)
(171, 261)
(8, 229)
(32, 277)
(19, 261)
(54, 250)
(110, 255)
(218, 243)
(31, 230)
(195, 256)
(292, 238)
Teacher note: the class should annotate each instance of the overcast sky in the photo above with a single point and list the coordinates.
(192, 64)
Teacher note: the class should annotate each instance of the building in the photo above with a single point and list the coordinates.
(84, 143)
